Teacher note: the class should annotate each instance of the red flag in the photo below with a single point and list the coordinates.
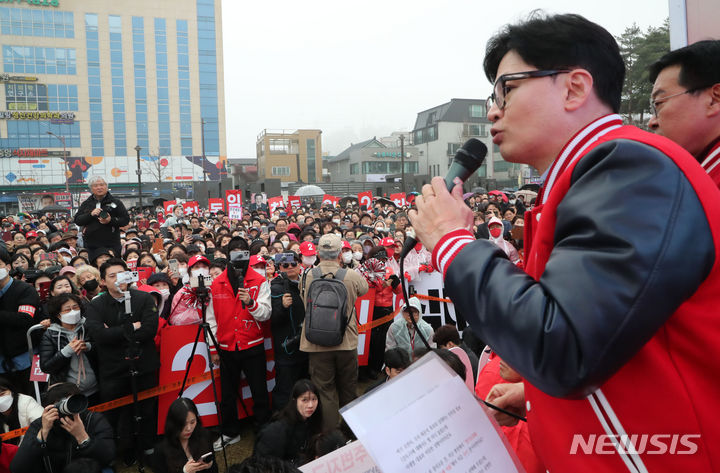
(274, 203)
(330, 200)
(365, 198)
(216, 205)
(398, 199)
(168, 206)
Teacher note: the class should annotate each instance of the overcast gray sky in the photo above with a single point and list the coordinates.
(361, 69)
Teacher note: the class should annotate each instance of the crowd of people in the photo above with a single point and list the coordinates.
(100, 329)
(594, 306)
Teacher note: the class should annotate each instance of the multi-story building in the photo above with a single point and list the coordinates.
(290, 156)
(441, 130)
(108, 81)
(373, 160)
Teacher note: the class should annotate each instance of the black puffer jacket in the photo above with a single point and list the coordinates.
(53, 362)
(14, 324)
(286, 323)
(281, 439)
(62, 448)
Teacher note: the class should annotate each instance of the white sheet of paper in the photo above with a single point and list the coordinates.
(426, 420)
(352, 458)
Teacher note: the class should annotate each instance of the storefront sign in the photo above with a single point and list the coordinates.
(12, 115)
(33, 3)
(9, 78)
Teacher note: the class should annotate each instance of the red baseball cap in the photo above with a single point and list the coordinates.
(307, 248)
(31, 234)
(387, 241)
(198, 259)
(346, 245)
(257, 259)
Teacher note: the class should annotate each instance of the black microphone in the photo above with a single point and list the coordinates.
(468, 158)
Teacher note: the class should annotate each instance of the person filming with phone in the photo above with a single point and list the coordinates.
(102, 215)
(123, 321)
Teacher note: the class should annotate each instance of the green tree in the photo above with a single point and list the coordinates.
(639, 50)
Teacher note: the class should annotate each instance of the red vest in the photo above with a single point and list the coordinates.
(664, 398)
(711, 161)
(236, 327)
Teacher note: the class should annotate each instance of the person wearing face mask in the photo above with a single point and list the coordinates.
(309, 254)
(348, 261)
(66, 350)
(19, 303)
(163, 284)
(17, 410)
(88, 278)
(357, 250)
(495, 228)
(186, 308)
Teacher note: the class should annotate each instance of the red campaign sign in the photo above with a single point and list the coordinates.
(132, 264)
(365, 198)
(274, 203)
(216, 205)
(330, 200)
(294, 201)
(36, 374)
(176, 344)
(191, 207)
(410, 199)
(364, 309)
(233, 197)
(398, 199)
(168, 206)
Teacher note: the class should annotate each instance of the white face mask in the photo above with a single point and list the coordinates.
(200, 271)
(164, 294)
(336, 221)
(3, 273)
(71, 317)
(6, 402)
(357, 255)
(347, 257)
(285, 243)
(308, 260)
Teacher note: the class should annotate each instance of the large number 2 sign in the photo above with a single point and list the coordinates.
(179, 363)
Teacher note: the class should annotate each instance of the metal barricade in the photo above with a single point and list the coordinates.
(32, 354)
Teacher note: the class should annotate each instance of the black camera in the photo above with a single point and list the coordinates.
(71, 405)
(103, 214)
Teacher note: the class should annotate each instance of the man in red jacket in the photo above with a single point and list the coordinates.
(613, 325)
(686, 101)
(236, 314)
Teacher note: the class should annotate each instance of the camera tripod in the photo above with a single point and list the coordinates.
(202, 294)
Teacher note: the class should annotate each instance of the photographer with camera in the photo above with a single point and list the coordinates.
(240, 302)
(66, 431)
(288, 314)
(102, 215)
(123, 322)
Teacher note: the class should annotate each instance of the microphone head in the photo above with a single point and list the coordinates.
(471, 154)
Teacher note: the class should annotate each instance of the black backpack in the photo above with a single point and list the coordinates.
(326, 308)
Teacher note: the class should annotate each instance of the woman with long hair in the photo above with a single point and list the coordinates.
(186, 442)
(288, 435)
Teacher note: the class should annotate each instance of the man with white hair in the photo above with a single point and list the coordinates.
(101, 215)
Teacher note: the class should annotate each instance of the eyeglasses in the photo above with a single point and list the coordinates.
(659, 101)
(500, 90)
(287, 265)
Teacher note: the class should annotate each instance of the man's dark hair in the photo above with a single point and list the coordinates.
(397, 358)
(446, 333)
(238, 243)
(111, 262)
(699, 64)
(562, 42)
(59, 391)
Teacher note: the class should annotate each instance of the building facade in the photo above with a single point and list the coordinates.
(373, 160)
(106, 81)
(291, 156)
(441, 130)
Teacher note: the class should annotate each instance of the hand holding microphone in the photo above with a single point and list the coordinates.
(440, 208)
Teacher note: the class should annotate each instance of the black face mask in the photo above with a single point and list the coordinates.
(90, 285)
